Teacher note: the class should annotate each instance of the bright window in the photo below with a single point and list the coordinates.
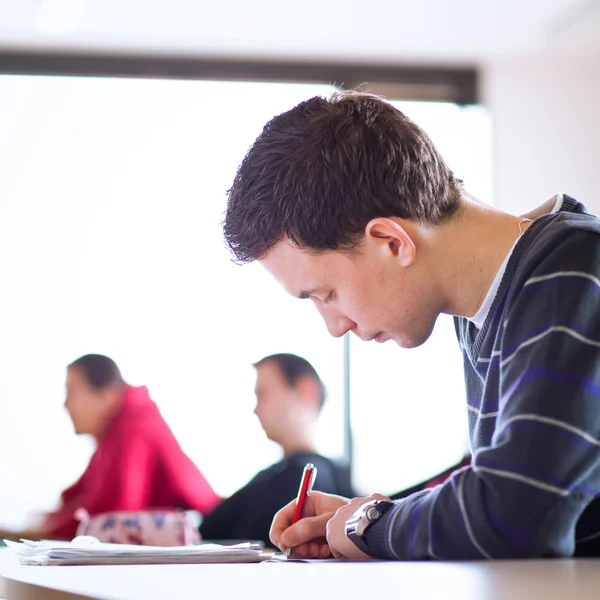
(111, 200)
(110, 241)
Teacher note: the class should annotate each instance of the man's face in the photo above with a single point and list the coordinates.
(369, 293)
(275, 401)
(83, 402)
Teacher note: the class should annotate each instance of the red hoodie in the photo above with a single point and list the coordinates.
(137, 465)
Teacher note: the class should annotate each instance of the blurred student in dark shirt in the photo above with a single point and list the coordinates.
(289, 398)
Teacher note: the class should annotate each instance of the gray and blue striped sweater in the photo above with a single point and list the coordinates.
(532, 376)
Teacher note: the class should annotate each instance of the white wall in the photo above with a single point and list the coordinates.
(546, 121)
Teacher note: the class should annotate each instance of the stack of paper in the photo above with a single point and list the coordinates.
(97, 553)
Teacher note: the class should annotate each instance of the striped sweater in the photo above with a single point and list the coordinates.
(532, 376)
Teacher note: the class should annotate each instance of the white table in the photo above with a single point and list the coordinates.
(514, 580)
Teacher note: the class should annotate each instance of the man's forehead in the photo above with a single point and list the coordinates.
(267, 374)
(295, 268)
(285, 250)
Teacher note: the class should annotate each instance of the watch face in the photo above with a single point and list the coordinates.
(362, 519)
(372, 513)
(365, 516)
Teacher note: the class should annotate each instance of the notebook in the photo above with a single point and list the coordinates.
(93, 552)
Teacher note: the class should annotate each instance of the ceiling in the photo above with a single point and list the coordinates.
(387, 31)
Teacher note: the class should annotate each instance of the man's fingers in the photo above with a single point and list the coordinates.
(281, 522)
(336, 554)
(305, 530)
(380, 497)
(300, 551)
(314, 549)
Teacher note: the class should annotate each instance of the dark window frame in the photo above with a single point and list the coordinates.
(401, 82)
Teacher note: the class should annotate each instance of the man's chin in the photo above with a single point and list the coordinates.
(410, 343)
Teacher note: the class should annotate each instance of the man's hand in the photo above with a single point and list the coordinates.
(307, 536)
(27, 534)
(339, 545)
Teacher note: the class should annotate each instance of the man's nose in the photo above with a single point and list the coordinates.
(337, 324)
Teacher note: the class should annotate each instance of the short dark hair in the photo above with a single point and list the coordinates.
(318, 173)
(293, 368)
(99, 370)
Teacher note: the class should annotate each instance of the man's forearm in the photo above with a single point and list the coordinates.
(27, 534)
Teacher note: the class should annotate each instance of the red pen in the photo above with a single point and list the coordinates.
(306, 484)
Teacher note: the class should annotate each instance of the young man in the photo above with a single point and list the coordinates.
(347, 203)
(138, 464)
(289, 398)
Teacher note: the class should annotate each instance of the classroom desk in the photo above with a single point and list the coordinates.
(515, 580)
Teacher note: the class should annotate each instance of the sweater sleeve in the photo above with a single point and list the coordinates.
(523, 495)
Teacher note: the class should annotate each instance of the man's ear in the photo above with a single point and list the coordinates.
(393, 238)
(112, 395)
(308, 391)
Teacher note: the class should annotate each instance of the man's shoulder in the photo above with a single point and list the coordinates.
(571, 238)
(566, 223)
(333, 476)
(555, 270)
(305, 457)
(284, 476)
(273, 476)
(572, 216)
(143, 424)
(301, 459)
(293, 466)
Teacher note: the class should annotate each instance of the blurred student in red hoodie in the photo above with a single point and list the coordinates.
(138, 464)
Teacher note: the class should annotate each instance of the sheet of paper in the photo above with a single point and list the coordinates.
(90, 553)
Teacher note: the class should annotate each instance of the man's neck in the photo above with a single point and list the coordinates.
(298, 446)
(471, 249)
(111, 412)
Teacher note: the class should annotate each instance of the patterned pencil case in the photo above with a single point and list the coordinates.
(143, 527)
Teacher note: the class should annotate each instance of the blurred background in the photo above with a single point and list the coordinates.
(121, 126)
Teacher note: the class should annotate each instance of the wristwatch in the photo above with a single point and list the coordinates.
(362, 519)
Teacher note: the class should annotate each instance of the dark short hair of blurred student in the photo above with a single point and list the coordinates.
(138, 464)
(289, 398)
